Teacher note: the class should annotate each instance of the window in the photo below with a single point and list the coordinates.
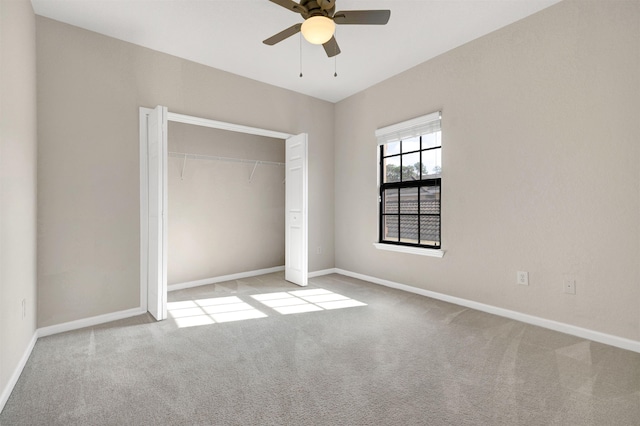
(410, 183)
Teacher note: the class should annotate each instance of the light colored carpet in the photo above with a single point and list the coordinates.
(401, 359)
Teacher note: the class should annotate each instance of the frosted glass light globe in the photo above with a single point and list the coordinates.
(318, 29)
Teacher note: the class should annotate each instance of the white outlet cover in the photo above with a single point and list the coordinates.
(522, 278)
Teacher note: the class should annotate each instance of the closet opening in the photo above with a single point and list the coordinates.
(219, 201)
(226, 205)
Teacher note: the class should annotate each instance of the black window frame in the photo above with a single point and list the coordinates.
(423, 182)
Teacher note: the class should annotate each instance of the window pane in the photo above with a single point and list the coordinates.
(392, 169)
(391, 148)
(412, 144)
(411, 167)
(409, 200)
(431, 140)
(390, 232)
(390, 201)
(432, 163)
(409, 229)
(430, 230)
(423, 170)
(430, 199)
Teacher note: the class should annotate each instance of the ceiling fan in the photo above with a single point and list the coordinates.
(320, 18)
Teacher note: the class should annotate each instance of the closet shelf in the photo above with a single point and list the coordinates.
(217, 158)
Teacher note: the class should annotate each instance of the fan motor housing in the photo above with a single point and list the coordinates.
(318, 8)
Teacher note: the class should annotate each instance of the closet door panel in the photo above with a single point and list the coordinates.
(296, 256)
(157, 262)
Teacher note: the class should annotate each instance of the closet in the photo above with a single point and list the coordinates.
(226, 203)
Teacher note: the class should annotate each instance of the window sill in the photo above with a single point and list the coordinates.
(411, 250)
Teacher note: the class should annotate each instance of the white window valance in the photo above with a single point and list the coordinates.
(429, 123)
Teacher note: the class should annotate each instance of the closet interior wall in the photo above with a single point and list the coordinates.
(225, 216)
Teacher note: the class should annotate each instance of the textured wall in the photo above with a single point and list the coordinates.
(90, 88)
(219, 222)
(17, 184)
(541, 169)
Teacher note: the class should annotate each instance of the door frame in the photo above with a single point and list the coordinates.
(144, 180)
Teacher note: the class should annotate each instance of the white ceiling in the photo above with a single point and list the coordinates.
(228, 34)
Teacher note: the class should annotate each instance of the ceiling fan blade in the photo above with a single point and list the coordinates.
(362, 17)
(294, 29)
(331, 47)
(291, 5)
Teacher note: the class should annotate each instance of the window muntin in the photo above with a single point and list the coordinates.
(410, 189)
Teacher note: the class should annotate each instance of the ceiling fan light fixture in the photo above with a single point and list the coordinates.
(318, 29)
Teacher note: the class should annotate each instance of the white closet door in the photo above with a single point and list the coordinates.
(157, 272)
(296, 255)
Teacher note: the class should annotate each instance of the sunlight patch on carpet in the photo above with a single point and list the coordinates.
(192, 313)
(299, 301)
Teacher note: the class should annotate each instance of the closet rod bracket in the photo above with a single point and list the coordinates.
(253, 171)
(184, 165)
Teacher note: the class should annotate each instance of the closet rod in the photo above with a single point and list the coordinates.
(217, 158)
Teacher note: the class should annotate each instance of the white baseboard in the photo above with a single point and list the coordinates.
(608, 339)
(223, 278)
(89, 322)
(6, 392)
(321, 272)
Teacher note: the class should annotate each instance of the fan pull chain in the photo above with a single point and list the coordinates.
(301, 55)
(335, 57)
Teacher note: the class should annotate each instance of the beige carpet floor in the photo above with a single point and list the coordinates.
(261, 351)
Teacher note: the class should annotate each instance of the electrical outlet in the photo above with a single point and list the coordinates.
(319, 250)
(569, 285)
(24, 308)
(522, 278)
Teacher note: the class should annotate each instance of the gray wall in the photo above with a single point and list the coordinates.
(89, 90)
(541, 169)
(219, 222)
(17, 183)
